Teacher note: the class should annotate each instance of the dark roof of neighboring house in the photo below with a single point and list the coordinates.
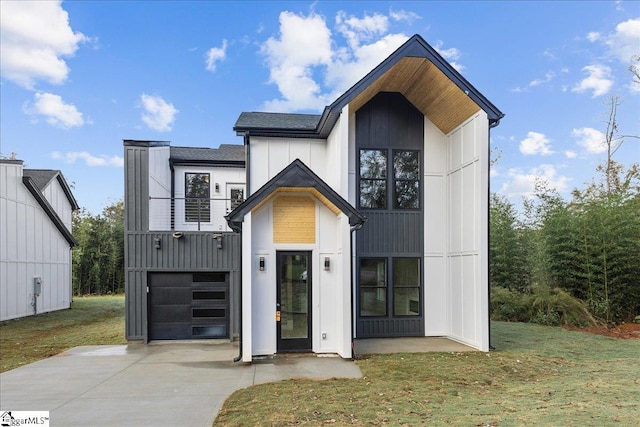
(427, 63)
(297, 174)
(227, 154)
(42, 178)
(36, 180)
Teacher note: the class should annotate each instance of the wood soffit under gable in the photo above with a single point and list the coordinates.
(427, 88)
(310, 190)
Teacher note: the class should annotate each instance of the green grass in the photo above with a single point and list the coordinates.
(90, 321)
(538, 375)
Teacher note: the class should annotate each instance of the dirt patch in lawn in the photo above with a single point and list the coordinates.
(624, 331)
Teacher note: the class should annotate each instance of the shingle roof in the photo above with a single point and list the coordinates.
(41, 177)
(259, 120)
(226, 153)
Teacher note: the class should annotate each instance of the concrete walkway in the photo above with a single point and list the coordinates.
(148, 385)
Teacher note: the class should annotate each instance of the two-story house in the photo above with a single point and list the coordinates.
(368, 220)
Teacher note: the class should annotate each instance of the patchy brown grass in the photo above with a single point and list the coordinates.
(90, 321)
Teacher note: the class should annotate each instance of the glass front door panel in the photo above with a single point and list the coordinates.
(294, 301)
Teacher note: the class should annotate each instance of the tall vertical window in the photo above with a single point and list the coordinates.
(406, 174)
(373, 287)
(197, 197)
(404, 181)
(236, 197)
(373, 179)
(406, 286)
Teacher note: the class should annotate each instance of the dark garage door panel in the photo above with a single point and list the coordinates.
(184, 306)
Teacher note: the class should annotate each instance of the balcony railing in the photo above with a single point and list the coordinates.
(189, 214)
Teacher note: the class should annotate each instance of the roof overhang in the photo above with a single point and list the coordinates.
(295, 178)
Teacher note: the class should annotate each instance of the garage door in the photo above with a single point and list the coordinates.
(188, 306)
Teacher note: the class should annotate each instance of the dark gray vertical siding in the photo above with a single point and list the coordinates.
(195, 251)
(389, 121)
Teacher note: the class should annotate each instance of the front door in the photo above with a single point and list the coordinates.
(293, 314)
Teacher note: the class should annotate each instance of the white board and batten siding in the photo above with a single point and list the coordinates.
(467, 214)
(226, 178)
(31, 246)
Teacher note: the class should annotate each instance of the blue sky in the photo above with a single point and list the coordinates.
(79, 77)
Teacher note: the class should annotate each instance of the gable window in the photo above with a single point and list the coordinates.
(197, 197)
(403, 179)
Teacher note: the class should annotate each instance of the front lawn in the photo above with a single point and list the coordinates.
(538, 375)
(89, 321)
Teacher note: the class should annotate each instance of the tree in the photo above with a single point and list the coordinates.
(98, 261)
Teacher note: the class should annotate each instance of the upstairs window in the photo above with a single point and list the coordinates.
(197, 197)
(403, 179)
(373, 179)
(406, 174)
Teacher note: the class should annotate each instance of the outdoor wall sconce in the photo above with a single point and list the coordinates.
(218, 237)
(217, 187)
(261, 264)
(156, 243)
(327, 263)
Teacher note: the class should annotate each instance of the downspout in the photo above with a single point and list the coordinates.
(352, 230)
(173, 194)
(238, 358)
(492, 124)
(237, 227)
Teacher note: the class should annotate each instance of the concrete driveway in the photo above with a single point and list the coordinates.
(148, 385)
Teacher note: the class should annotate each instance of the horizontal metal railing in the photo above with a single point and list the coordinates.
(189, 213)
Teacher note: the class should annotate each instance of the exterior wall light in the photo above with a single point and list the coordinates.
(217, 187)
(156, 243)
(327, 263)
(261, 264)
(218, 238)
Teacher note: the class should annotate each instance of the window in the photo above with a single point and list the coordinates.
(406, 286)
(373, 287)
(404, 181)
(373, 179)
(406, 174)
(237, 197)
(404, 282)
(197, 197)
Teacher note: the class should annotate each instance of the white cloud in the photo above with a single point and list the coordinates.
(357, 30)
(535, 143)
(35, 36)
(403, 15)
(547, 78)
(599, 80)
(593, 36)
(54, 109)
(523, 183)
(590, 139)
(89, 159)
(215, 55)
(158, 114)
(304, 43)
(311, 68)
(624, 42)
(351, 66)
(451, 54)
(570, 154)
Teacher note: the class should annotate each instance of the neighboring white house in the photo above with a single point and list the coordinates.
(36, 207)
(371, 219)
